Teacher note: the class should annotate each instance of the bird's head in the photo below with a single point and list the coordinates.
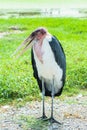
(37, 35)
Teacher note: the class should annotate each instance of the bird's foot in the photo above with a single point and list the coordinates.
(52, 120)
(43, 117)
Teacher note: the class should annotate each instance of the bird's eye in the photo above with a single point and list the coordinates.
(33, 34)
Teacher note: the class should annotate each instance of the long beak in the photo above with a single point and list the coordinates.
(25, 45)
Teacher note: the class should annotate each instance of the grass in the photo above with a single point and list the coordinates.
(29, 122)
(33, 123)
(16, 75)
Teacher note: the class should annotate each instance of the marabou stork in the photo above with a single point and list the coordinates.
(48, 62)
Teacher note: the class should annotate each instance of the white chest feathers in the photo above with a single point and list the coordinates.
(49, 68)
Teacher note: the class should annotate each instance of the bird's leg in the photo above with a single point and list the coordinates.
(43, 95)
(43, 104)
(52, 102)
(52, 120)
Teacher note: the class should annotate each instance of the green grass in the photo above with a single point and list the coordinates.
(16, 76)
(33, 123)
(29, 122)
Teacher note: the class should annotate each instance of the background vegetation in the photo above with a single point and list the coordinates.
(16, 78)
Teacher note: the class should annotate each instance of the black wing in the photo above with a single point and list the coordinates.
(59, 55)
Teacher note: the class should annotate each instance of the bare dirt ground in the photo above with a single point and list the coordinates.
(15, 31)
(71, 112)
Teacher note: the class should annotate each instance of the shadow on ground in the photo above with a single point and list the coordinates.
(31, 123)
